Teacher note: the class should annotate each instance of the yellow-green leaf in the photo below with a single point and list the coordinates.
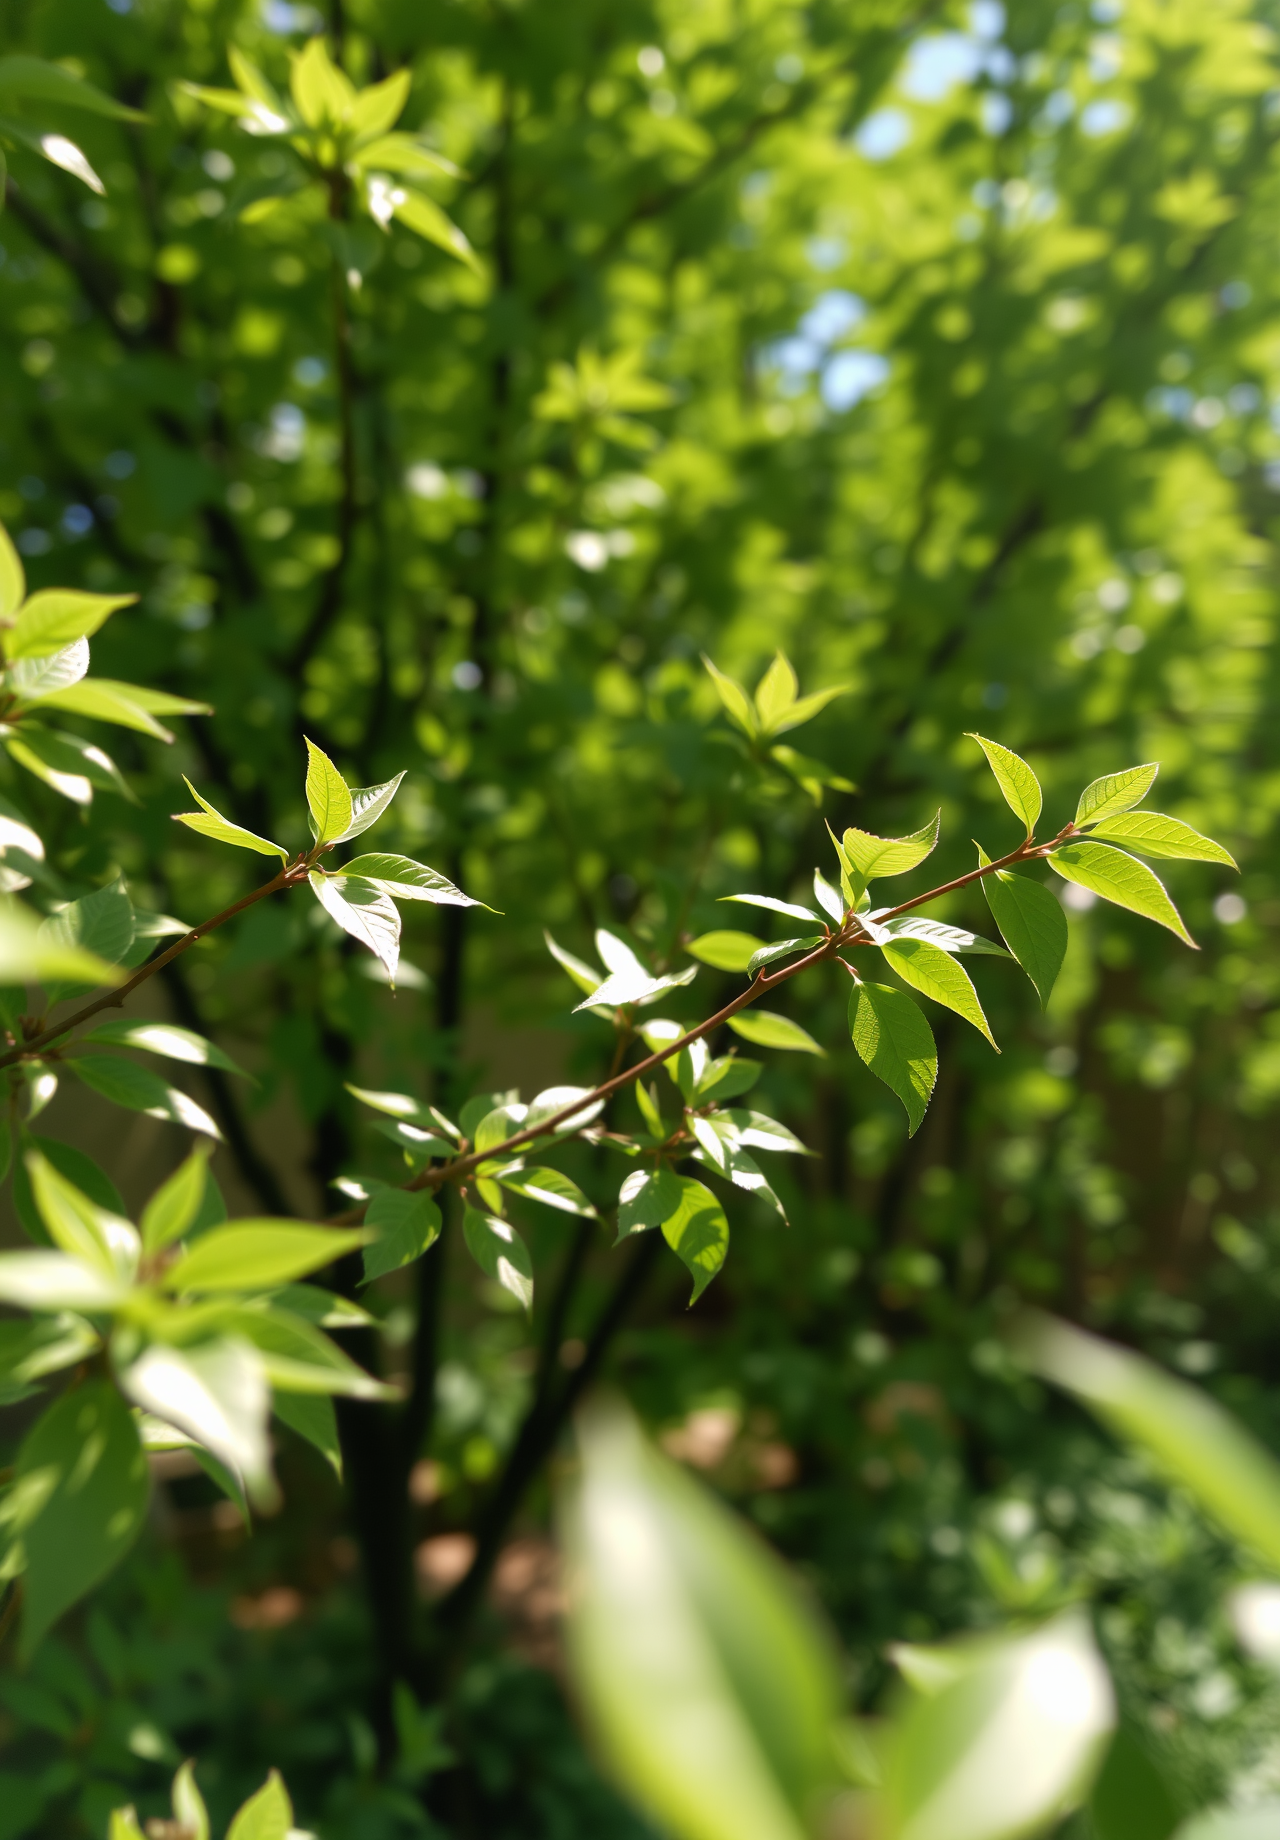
(776, 693)
(726, 950)
(1031, 922)
(1122, 879)
(1019, 785)
(13, 581)
(868, 858)
(1116, 792)
(698, 1233)
(56, 617)
(211, 823)
(255, 1255)
(896, 1042)
(1150, 833)
(931, 970)
(767, 1030)
(735, 699)
(328, 796)
(426, 217)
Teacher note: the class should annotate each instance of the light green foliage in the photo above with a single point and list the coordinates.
(725, 950)
(408, 880)
(927, 968)
(365, 911)
(1150, 833)
(164, 1038)
(1115, 792)
(176, 1203)
(211, 823)
(328, 799)
(698, 1233)
(707, 1682)
(550, 1186)
(1122, 879)
(500, 1253)
(897, 1044)
(1031, 922)
(1194, 1441)
(646, 1199)
(188, 1804)
(1018, 784)
(768, 1030)
(258, 1254)
(865, 858)
(75, 1504)
(268, 1815)
(406, 1225)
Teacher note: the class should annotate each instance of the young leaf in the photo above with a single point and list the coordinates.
(52, 1281)
(727, 1078)
(784, 948)
(28, 953)
(827, 897)
(794, 911)
(364, 910)
(1016, 781)
(32, 1350)
(34, 678)
(766, 1030)
(13, 580)
(931, 970)
(78, 1225)
(71, 765)
(166, 1038)
(379, 107)
(762, 1132)
(1150, 833)
(142, 1090)
(1121, 879)
(176, 1203)
(651, 1111)
(127, 705)
(211, 823)
(1115, 792)
(253, 1255)
(1190, 1436)
(312, 1416)
(585, 976)
(1031, 922)
(268, 1815)
(368, 804)
(776, 693)
(424, 215)
(84, 1503)
(725, 951)
(896, 1042)
(408, 880)
(698, 1233)
(188, 1804)
(57, 617)
(553, 1099)
(803, 710)
(297, 1357)
(647, 1198)
(735, 699)
(869, 858)
(407, 1225)
(328, 797)
(217, 1393)
(500, 1253)
(626, 987)
(551, 1187)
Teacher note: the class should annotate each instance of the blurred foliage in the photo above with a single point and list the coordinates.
(936, 346)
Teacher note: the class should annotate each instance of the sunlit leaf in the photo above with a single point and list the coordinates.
(257, 1254)
(1150, 833)
(1017, 783)
(1031, 922)
(211, 823)
(767, 1030)
(500, 1253)
(1122, 879)
(1115, 792)
(929, 969)
(892, 1036)
(698, 1233)
(328, 796)
(406, 1225)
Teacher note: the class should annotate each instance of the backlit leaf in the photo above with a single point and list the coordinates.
(408, 880)
(767, 1030)
(365, 911)
(868, 858)
(211, 823)
(217, 1393)
(1122, 879)
(784, 948)
(500, 1253)
(1031, 922)
(166, 1038)
(896, 1042)
(698, 1233)
(255, 1255)
(550, 1186)
(422, 214)
(1150, 833)
(406, 1225)
(1018, 784)
(791, 908)
(929, 969)
(268, 1815)
(775, 693)
(328, 796)
(735, 699)
(174, 1207)
(13, 580)
(1115, 792)
(725, 951)
(56, 617)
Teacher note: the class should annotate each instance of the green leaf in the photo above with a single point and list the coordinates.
(404, 153)
(740, 1168)
(124, 1825)
(1122, 879)
(479, 1106)
(585, 976)
(175, 1205)
(896, 1042)
(500, 1253)
(29, 954)
(268, 1815)
(776, 693)
(31, 1350)
(1007, 1746)
(364, 910)
(651, 1111)
(380, 106)
(72, 766)
(784, 948)
(804, 709)
(422, 214)
(735, 699)
(1192, 1439)
(1031, 922)
(312, 1416)
(13, 580)
(931, 970)
(710, 1686)
(259, 1254)
(647, 1198)
(698, 1233)
(217, 1393)
(406, 1224)
(767, 1030)
(634, 986)
(82, 1481)
(324, 1308)
(1259, 1822)
(166, 1038)
(553, 1099)
(328, 797)
(869, 858)
(211, 823)
(323, 95)
(78, 1225)
(127, 705)
(189, 1810)
(498, 1125)
(790, 908)
(1131, 1799)
(1115, 792)
(550, 1186)
(101, 923)
(764, 1133)
(828, 898)
(1019, 785)
(297, 1357)
(726, 1078)
(33, 79)
(34, 679)
(56, 617)
(725, 951)
(938, 933)
(53, 1281)
(142, 1090)
(1150, 833)
(408, 880)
